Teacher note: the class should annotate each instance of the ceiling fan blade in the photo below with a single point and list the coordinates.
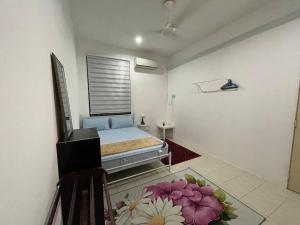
(173, 37)
(177, 37)
(186, 13)
(152, 32)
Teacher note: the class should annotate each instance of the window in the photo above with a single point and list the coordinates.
(109, 86)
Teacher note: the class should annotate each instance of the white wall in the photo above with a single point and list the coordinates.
(30, 31)
(268, 15)
(252, 127)
(149, 90)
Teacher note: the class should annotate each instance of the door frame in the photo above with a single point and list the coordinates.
(294, 133)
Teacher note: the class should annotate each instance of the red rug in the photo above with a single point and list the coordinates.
(179, 153)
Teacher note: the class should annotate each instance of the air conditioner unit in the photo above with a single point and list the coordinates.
(145, 64)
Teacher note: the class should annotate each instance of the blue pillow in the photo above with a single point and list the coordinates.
(99, 122)
(121, 121)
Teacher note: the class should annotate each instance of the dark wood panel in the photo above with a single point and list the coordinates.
(80, 152)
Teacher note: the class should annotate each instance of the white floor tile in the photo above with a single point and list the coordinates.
(269, 222)
(206, 164)
(242, 184)
(293, 195)
(288, 213)
(179, 166)
(266, 198)
(223, 174)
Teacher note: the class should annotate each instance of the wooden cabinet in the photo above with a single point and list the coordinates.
(80, 152)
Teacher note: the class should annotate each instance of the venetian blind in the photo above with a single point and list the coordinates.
(109, 85)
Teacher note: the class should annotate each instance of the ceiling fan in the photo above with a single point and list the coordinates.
(169, 28)
(173, 22)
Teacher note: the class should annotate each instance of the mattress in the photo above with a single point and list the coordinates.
(121, 161)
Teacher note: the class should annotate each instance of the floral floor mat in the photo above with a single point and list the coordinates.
(184, 197)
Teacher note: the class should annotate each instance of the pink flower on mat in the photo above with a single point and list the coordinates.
(199, 206)
(202, 211)
(120, 204)
(164, 189)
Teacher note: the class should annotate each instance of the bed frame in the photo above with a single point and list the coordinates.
(144, 161)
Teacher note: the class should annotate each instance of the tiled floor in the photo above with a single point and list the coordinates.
(278, 205)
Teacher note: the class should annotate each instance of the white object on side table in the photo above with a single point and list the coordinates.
(144, 127)
(165, 127)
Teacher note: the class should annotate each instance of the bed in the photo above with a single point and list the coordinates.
(116, 130)
(125, 160)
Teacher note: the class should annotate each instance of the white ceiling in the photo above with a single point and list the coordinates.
(116, 22)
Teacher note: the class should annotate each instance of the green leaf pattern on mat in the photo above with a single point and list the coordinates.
(190, 179)
(220, 195)
(201, 183)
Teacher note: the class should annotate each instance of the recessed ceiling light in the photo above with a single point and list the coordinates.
(138, 39)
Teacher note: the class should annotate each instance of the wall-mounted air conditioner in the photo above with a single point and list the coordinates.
(145, 64)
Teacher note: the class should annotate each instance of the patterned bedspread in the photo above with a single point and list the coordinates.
(125, 146)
